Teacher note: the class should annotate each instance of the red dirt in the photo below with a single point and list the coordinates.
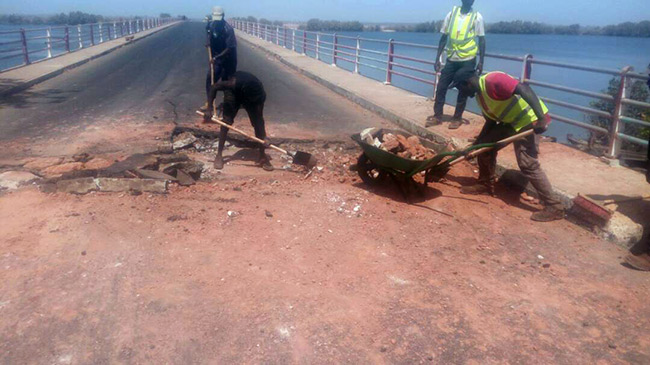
(339, 273)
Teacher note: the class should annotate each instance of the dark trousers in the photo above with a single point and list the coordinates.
(446, 77)
(527, 153)
(255, 113)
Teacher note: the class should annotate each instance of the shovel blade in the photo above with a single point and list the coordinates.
(304, 159)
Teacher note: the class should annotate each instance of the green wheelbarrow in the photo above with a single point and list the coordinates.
(375, 165)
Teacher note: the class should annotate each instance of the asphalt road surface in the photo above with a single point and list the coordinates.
(162, 79)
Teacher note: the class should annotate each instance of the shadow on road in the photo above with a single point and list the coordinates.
(29, 98)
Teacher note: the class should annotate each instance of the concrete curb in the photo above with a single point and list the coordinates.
(27, 84)
(625, 234)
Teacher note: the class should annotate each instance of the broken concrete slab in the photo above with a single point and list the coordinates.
(623, 231)
(184, 179)
(114, 185)
(155, 175)
(75, 186)
(173, 158)
(12, 180)
(184, 140)
(192, 168)
(137, 161)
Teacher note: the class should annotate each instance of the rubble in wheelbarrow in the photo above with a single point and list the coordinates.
(404, 147)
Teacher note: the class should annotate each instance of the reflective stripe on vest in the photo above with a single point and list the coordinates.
(514, 111)
(462, 37)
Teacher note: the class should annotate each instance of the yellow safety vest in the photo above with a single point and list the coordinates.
(461, 41)
(514, 111)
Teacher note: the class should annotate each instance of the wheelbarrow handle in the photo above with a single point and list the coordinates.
(502, 142)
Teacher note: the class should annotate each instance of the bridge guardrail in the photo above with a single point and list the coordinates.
(388, 60)
(38, 44)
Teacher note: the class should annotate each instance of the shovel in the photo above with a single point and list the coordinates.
(299, 157)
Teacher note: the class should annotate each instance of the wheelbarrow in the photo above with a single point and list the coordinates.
(375, 165)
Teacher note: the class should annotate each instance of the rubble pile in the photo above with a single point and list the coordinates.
(410, 147)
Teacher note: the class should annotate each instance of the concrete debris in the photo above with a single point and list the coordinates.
(268, 214)
(77, 186)
(137, 161)
(183, 140)
(192, 168)
(12, 180)
(111, 185)
(155, 175)
(173, 158)
(404, 147)
(81, 157)
(184, 179)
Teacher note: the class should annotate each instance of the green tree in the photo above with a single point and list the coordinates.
(639, 92)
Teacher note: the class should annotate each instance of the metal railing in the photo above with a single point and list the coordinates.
(381, 55)
(34, 45)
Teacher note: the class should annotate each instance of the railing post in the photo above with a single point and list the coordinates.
(266, 32)
(304, 42)
(293, 39)
(285, 37)
(615, 127)
(67, 39)
(527, 68)
(49, 42)
(92, 35)
(115, 30)
(335, 42)
(81, 44)
(389, 65)
(109, 32)
(277, 35)
(318, 46)
(101, 33)
(358, 54)
(23, 40)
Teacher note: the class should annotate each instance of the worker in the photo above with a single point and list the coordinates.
(245, 90)
(222, 43)
(510, 107)
(641, 261)
(459, 32)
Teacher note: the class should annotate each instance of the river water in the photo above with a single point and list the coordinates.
(604, 52)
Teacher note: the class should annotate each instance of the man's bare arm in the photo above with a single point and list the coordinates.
(532, 99)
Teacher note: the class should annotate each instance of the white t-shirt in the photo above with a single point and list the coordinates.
(479, 29)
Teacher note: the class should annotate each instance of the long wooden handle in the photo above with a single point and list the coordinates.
(475, 153)
(221, 123)
(214, 108)
(625, 200)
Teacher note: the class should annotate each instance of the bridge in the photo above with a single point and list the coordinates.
(283, 267)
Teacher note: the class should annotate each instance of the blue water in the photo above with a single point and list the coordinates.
(603, 52)
(11, 53)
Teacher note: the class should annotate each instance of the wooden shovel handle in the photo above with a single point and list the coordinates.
(475, 153)
(221, 123)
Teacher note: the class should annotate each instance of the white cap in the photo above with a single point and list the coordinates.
(217, 13)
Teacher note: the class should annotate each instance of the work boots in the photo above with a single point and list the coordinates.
(550, 213)
(482, 188)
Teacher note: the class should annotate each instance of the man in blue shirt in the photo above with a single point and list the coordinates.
(223, 45)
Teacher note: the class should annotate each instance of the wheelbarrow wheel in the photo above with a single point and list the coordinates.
(369, 172)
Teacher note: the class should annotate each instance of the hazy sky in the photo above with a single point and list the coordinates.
(586, 12)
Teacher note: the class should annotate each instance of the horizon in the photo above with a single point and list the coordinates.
(552, 12)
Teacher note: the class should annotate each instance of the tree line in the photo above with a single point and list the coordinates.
(71, 18)
(627, 29)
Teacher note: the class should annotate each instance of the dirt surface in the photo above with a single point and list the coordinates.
(257, 267)
(293, 266)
